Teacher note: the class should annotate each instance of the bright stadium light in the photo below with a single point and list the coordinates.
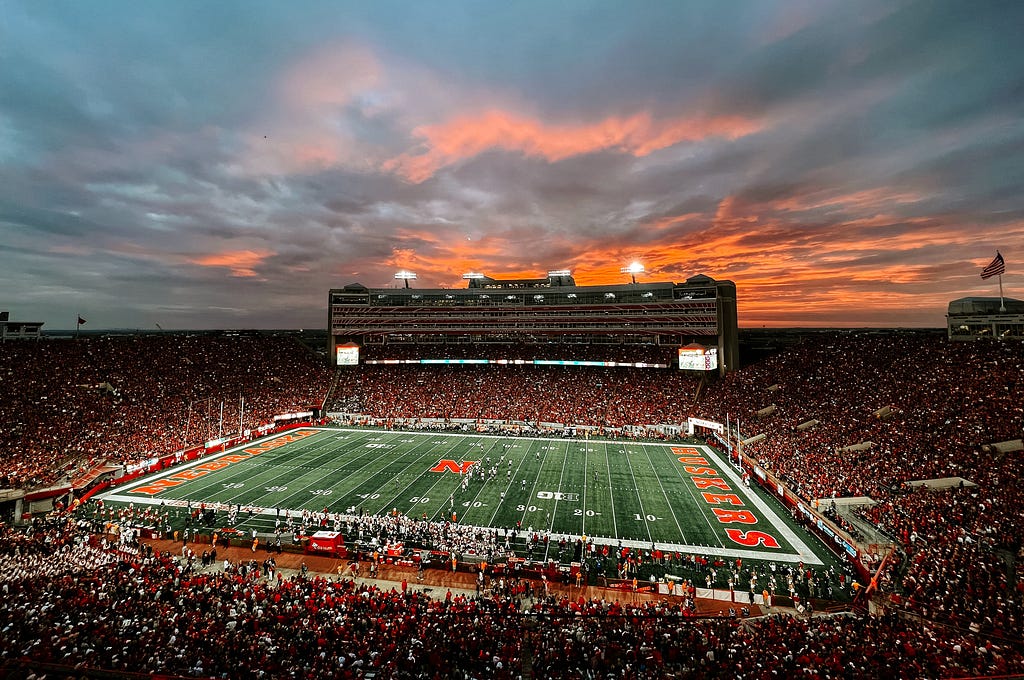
(558, 272)
(406, 276)
(472, 276)
(633, 269)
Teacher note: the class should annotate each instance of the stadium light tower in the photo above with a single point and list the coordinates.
(472, 276)
(406, 276)
(633, 269)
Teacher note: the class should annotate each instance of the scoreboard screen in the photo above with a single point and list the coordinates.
(348, 355)
(697, 358)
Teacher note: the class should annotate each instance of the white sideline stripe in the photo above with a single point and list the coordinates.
(758, 503)
(762, 555)
(803, 553)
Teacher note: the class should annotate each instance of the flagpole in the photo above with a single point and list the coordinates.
(996, 268)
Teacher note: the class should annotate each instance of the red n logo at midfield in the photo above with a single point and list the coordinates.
(452, 466)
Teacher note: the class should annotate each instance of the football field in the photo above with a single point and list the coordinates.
(683, 498)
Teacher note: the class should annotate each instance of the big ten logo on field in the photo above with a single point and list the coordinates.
(452, 466)
(557, 495)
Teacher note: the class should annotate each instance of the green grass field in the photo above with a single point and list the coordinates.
(681, 498)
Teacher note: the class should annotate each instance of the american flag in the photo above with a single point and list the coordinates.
(995, 268)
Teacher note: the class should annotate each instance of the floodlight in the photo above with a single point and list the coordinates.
(558, 272)
(609, 296)
(472, 275)
(633, 269)
(405, 276)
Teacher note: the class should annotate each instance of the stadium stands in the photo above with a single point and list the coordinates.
(65, 405)
(610, 397)
(925, 405)
(153, 613)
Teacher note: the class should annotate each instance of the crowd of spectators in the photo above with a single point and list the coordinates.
(610, 397)
(957, 550)
(937, 403)
(928, 407)
(66, 405)
(652, 641)
(151, 612)
(913, 405)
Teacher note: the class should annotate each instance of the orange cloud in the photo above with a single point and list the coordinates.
(242, 263)
(302, 128)
(859, 200)
(639, 135)
(330, 78)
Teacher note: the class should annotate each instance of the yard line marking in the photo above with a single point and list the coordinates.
(668, 502)
(536, 479)
(433, 447)
(371, 453)
(510, 485)
(483, 485)
(319, 443)
(554, 510)
(639, 497)
(561, 475)
(583, 524)
(615, 527)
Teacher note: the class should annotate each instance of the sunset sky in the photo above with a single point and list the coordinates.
(223, 164)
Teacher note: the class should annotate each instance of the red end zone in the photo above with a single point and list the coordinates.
(704, 476)
(221, 462)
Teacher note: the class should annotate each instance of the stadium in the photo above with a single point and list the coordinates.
(521, 478)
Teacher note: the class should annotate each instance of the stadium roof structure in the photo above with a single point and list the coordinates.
(985, 305)
(18, 330)
(977, 318)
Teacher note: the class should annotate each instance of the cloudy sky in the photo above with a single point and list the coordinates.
(223, 164)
